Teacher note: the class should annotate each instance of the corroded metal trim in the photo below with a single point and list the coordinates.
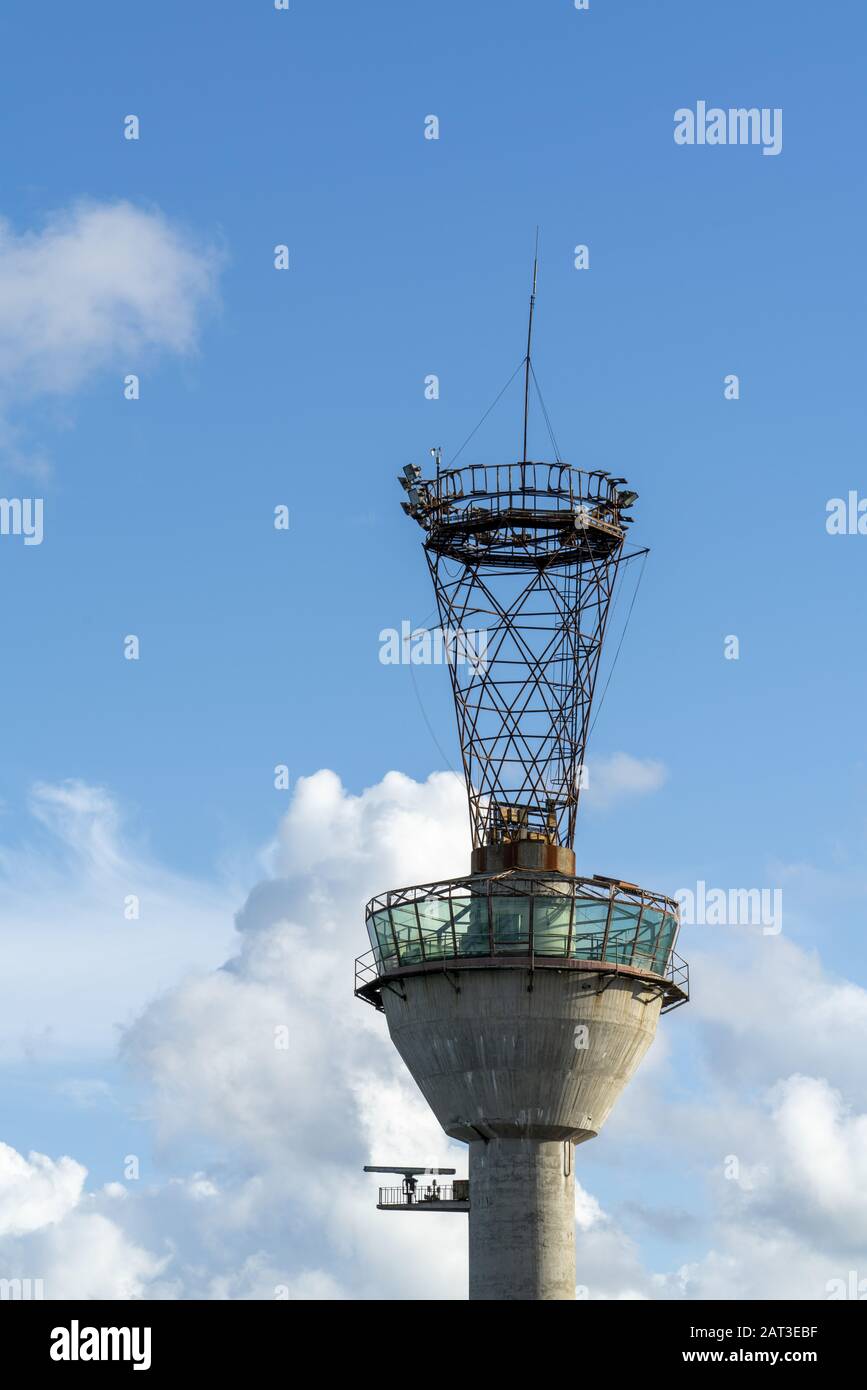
(674, 985)
(523, 883)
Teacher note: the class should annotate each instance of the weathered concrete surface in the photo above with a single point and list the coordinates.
(496, 1060)
(522, 1220)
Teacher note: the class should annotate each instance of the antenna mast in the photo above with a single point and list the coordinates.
(529, 343)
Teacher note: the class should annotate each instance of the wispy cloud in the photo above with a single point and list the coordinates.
(619, 777)
(91, 925)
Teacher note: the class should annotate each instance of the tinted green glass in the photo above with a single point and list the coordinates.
(434, 929)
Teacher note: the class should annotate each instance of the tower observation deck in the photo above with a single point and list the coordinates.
(522, 997)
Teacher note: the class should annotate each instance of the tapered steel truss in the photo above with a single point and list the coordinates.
(523, 559)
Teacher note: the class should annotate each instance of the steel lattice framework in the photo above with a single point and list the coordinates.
(523, 559)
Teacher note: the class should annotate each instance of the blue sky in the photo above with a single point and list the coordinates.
(409, 257)
(306, 387)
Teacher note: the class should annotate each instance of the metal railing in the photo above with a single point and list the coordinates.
(434, 1192)
(372, 970)
(549, 484)
(528, 918)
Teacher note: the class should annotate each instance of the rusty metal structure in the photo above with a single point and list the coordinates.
(527, 553)
(486, 981)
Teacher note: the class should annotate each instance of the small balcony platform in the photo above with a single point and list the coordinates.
(450, 1197)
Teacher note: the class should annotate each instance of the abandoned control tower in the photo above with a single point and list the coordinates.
(521, 997)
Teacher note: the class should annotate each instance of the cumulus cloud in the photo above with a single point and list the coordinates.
(288, 1024)
(49, 1231)
(815, 1175)
(282, 1207)
(783, 1209)
(300, 927)
(274, 1062)
(398, 831)
(83, 1255)
(269, 1087)
(768, 1008)
(101, 286)
(35, 1191)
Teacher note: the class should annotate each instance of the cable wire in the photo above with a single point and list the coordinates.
(487, 413)
(601, 700)
(545, 413)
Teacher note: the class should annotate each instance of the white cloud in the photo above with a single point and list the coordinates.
(620, 776)
(340, 1099)
(86, 1092)
(309, 1116)
(101, 283)
(75, 966)
(259, 1279)
(588, 1212)
(102, 286)
(83, 1256)
(36, 1191)
(398, 831)
(84, 819)
(817, 1177)
(212, 1046)
(768, 1008)
(273, 1139)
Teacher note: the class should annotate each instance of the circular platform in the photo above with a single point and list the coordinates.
(521, 515)
(522, 920)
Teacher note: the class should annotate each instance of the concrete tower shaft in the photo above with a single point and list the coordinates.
(522, 1221)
